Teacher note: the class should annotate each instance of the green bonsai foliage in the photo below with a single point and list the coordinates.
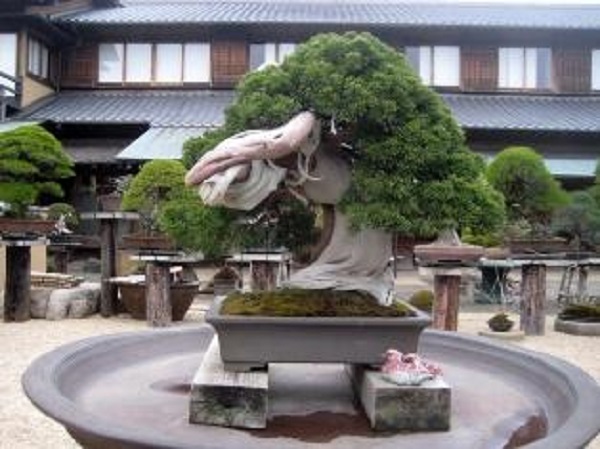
(31, 163)
(530, 191)
(157, 183)
(422, 300)
(56, 210)
(197, 227)
(580, 220)
(159, 194)
(315, 303)
(412, 172)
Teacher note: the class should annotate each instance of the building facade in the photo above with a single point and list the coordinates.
(122, 81)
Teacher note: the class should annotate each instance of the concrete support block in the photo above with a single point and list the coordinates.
(226, 398)
(408, 408)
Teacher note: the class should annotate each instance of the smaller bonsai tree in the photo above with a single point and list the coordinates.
(500, 322)
(580, 220)
(530, 192)
(64, 211)
(158, 182)
(166, 205)
(31, 163)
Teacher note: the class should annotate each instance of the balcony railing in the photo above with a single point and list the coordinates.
(10, 93)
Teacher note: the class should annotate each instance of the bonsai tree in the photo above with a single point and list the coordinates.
(580, 220)
(32, 162)
(530, 192)
(158, 182)
(411, 170)
(167, 206)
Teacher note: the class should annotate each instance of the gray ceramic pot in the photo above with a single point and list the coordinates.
(249, 342)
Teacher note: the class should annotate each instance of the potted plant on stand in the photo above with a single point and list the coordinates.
(531, 195)
(32, 162)
(402, 167)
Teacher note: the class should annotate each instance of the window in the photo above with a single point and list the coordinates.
(262, 55)
(524, 68)
(437, 66)
(196, 65)
(173, 63)
(138, 63)
(595, 69)
(169, 63)
(38, 56)
(8, 59)
(111, 63)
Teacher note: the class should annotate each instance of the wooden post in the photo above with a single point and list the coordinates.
(108, 299)
(582, 284)
(446, 291)
(533, 299)
(158, 295)
(263, 275)
(61, 259)
(18, 284)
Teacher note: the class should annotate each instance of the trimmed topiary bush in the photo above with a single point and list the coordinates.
(530, 192)
(31, 163)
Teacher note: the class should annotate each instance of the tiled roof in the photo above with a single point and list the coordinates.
(352, 12)
(206, 109)
(160, 143)
(526, 112)
(156, 108)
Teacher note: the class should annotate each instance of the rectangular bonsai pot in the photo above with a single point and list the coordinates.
(249, 342)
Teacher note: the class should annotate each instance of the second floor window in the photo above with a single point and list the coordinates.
(169, 63)
(524, 68)
(595, 70)
(8, 60)
(262, 55)
(38, 58)
(437, 66)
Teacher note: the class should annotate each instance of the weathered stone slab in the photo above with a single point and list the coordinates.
(39, 301)
(409, 408)
(225, 398)
(77, 302)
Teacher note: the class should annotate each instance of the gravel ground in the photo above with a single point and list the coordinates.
(22, 426)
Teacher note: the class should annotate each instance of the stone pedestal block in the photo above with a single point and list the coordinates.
(226, 398)
(408, 408)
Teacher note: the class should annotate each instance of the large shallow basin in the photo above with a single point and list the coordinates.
(131, 391)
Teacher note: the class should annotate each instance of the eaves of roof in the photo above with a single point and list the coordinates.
(206, 109)
(345, 13)
(180, 108)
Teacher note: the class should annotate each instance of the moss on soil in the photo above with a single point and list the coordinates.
(310, 303)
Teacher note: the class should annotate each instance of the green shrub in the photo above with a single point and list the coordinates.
(31, 163)
(580, 220)
(422, 300)
(530, 191)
